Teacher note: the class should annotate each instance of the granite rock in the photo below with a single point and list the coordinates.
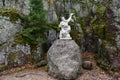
(64, 59)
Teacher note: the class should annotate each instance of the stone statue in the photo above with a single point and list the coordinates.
(64, 56)
(65, 28)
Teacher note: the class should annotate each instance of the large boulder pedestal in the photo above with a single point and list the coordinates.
(64, 60)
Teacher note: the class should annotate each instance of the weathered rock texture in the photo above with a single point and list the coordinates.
(16, 58)
(8, 30)
(11, 26)
(109, 54)
(64, 59)
(21, 5)
(58, 8)
(10, 42)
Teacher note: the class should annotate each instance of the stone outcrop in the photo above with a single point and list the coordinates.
(8, 47)
(21, 5)
(64, 59)
(10, 42)
(56, 9)
(109, 53)
(52, 35)
(8, 31)
(115, 8)
(16, 58)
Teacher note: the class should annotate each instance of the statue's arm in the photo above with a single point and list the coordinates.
(70, 18)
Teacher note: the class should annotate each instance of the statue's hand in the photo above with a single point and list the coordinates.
(71, 14)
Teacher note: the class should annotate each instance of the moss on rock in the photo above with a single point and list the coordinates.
(18, 40)
(16, 58)
(12, 13)
(3, 68)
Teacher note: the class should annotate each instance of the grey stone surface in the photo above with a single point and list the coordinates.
(51, 14)
(8, 29)
(114, 56)
(114, 50)
(52, 35)
(16, 58)
(108, 58)
(64, 59)
(2, 58)
(57, 9)
(8, 47)
(1, 3)
(115, 7)
(109, 51)
(21, 5)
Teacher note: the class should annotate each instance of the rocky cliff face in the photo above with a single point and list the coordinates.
(10, 27)
(21, 5)
(8, 31)
(115, 7)
(108, 57)
(56, 9)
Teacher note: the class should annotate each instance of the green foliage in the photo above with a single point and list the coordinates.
(99, 23)
(37, 14)
(101, 10)
(33, 35)
(35, 23)
(35, 27)
(76, 35)
(12, 13)
(3, 68)
(54, 25)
